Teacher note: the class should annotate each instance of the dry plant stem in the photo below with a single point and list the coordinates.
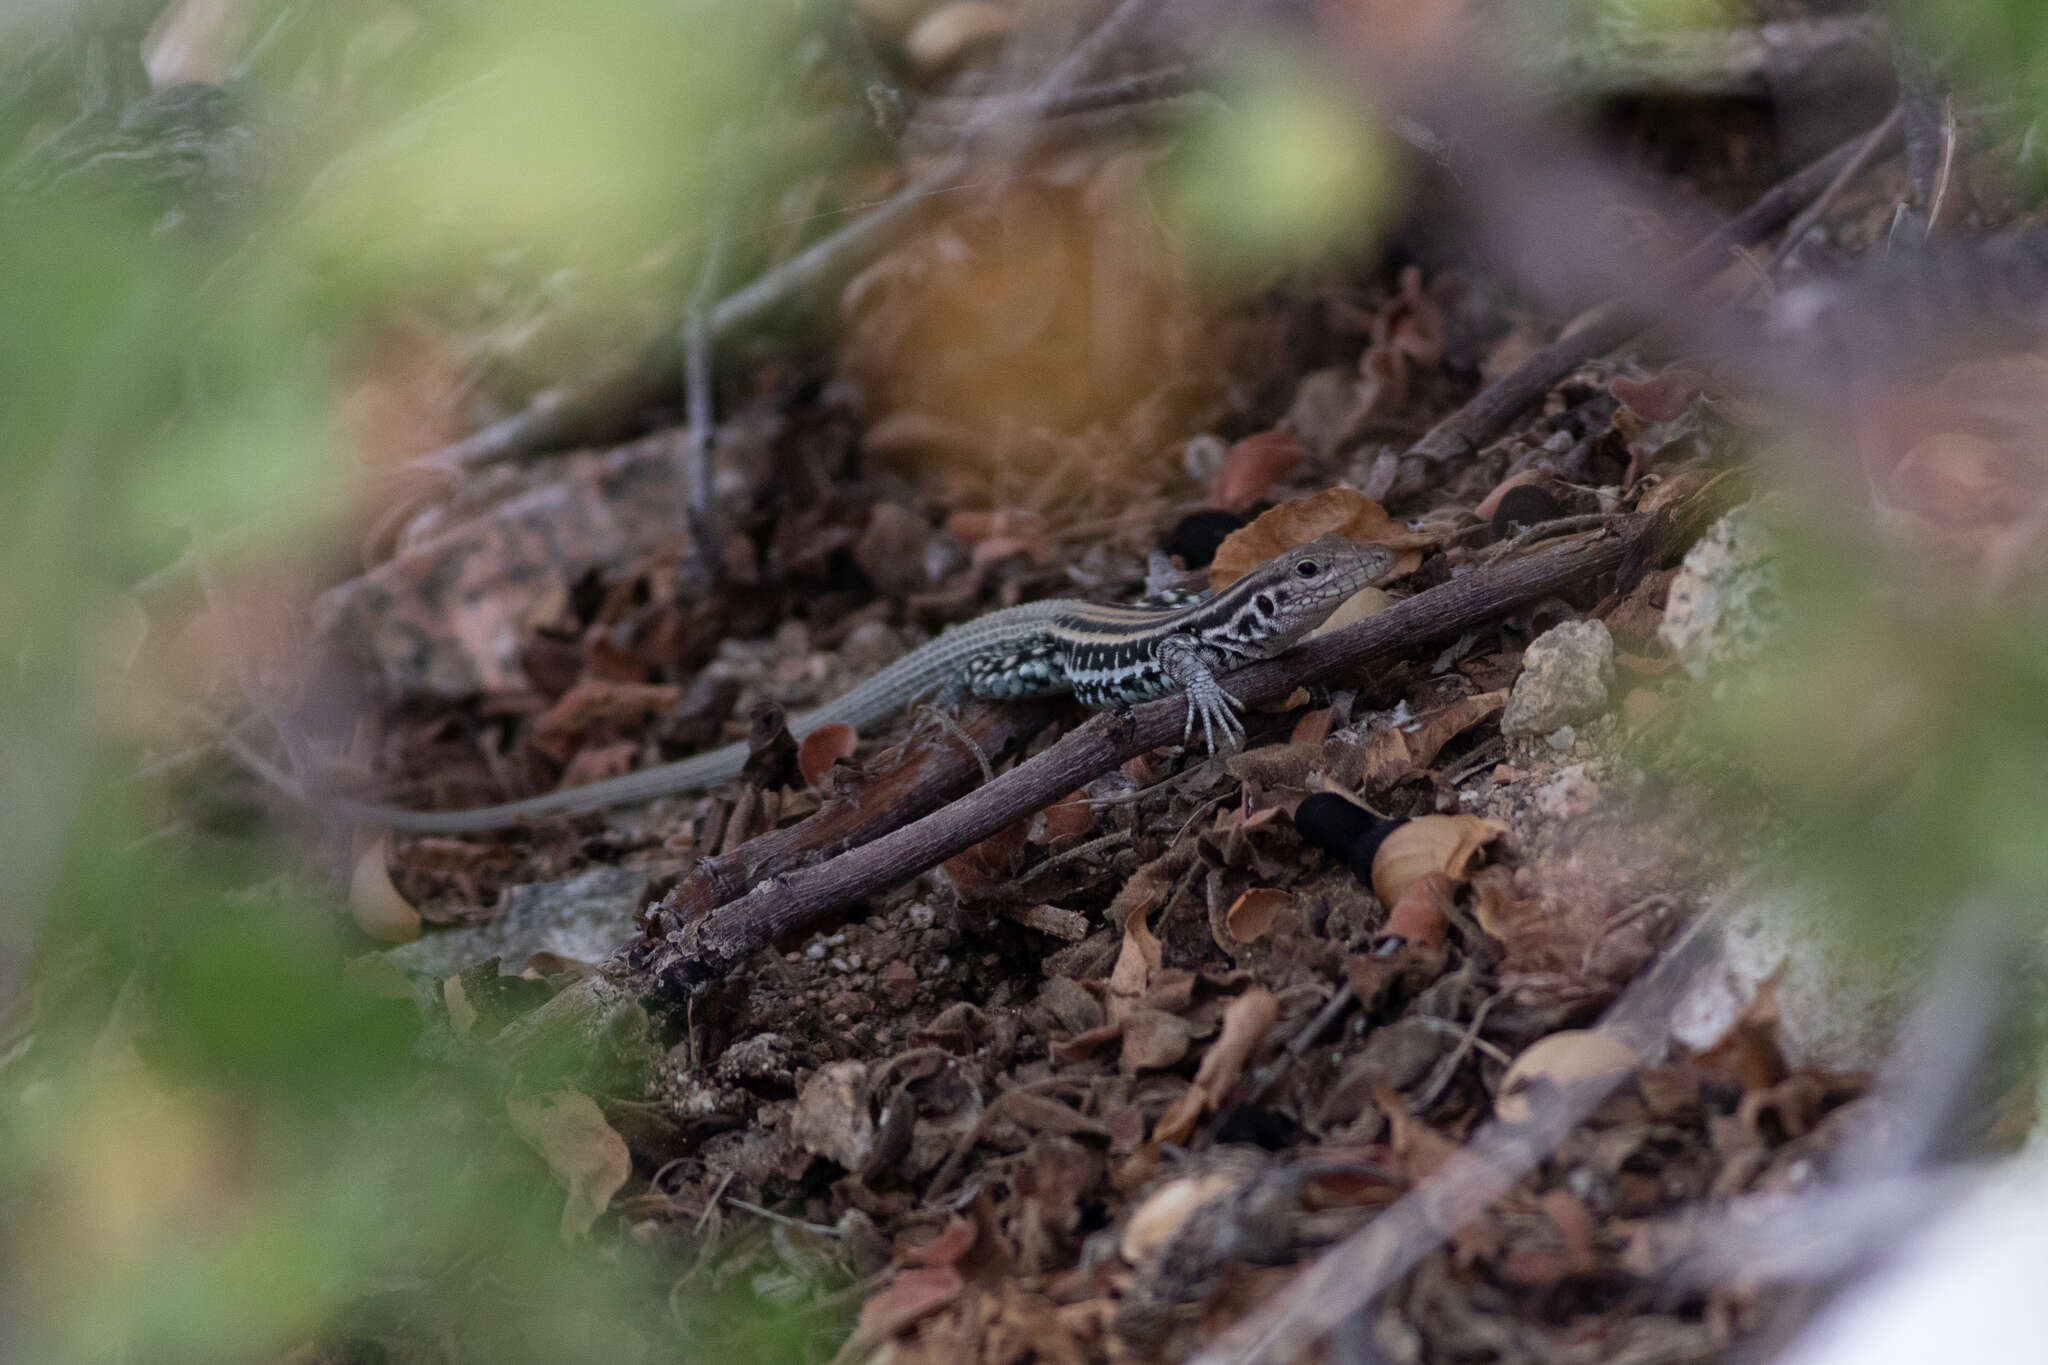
(697, 398)
(1920, 101)
(918, 777)
(1810, 216)
(558, 418)
(1944, 179)
(707, 949)
(946, 114)
(1369, 1262)
(1072, 68)
(1814, 1234)
(1494, 408)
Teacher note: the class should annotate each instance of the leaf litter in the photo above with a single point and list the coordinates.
(1102, 1082)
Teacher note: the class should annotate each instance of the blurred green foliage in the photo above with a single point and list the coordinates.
(1893, 728)
(211, 1147)
(1294, 171)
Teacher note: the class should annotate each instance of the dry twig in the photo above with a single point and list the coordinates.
(1490, 412)
(707, 948)
(1366, 1264)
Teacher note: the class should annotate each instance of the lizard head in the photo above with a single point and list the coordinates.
(1291, 594)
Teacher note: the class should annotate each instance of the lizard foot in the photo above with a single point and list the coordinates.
(1218, 712)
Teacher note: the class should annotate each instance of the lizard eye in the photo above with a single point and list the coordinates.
(1308, 568)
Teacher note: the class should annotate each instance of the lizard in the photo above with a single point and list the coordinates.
(1107, 656)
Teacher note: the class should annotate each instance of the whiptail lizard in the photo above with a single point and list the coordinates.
(1106, 655)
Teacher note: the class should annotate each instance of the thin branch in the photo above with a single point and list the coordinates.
(561, 416)
(913, 779)
(1494, 408)
(713, 945)
(1807, 1235)
(697, 396)
(1070, 70)
(1944, 178)
(1810, 216)
(1369, 1262)
(945, 115)
(1920, 100)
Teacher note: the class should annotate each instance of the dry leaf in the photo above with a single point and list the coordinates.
(1313, 728)
(1044, 1114)
(1246, 1022)
(998, 548)
(1251, 915)
(1563, 1059)
(1957, 480)
(1253, 466)
(1662, 397)
(1070, 818)
(374, 903)
(1141, 954)
(569, 1131)
(592, 703)
(1496, 907)
(1153, 1041)
(981, 868)
(822, 748)
(910, 1294)
(1426, 844)
(953, 1241)
(449, 614)
(1747, 1052)
(1393, 752)
(1383, 381)
(1334, 511)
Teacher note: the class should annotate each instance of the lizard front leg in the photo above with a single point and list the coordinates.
(1183, 661)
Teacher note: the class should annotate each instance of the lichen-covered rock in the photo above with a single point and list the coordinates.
(1567, 675)
(1728, 599)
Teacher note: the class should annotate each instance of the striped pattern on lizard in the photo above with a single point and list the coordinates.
(1107, 656)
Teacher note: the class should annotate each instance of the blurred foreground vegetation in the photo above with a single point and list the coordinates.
(212, 1145)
